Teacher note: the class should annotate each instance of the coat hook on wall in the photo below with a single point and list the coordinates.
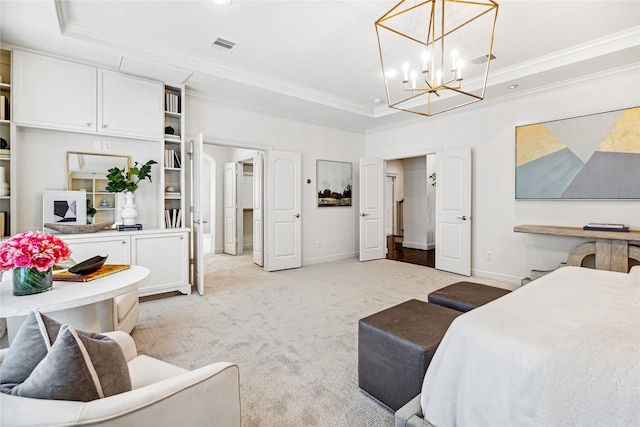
(433, 179)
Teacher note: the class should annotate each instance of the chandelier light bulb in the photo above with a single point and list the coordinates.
(425, 61)
(454, 58)
(438, 78)
(459, 66)
(413, 79)
(405, 69)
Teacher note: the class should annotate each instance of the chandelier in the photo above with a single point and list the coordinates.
(435, 54)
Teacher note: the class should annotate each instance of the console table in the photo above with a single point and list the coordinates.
(612, 249)
(69, 302)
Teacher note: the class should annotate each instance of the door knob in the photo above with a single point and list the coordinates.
(297, 215)
(463, 217)
(196, 221)
(364, 214)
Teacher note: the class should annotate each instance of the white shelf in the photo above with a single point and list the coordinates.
(174, 155)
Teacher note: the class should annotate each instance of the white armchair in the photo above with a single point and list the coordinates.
(119, 313)
(162, 395)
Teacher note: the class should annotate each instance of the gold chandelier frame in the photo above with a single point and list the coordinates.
(432, 85)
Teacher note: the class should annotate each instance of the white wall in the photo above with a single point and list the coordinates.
(396, 168)
(415, 203)
(430, 214)
(42, 165)
(489, 128)
(335, 230)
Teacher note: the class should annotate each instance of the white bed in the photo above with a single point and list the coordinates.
(562, 350)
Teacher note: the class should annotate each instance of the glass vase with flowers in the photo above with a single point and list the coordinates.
(31, 256)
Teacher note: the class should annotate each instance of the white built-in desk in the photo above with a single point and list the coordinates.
(611, 249)
(69, 302)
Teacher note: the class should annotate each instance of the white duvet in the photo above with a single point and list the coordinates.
(562, 350)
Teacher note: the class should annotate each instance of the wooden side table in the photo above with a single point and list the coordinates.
(612, 249)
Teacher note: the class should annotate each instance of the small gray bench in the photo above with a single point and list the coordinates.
(465, 296)
(395, 347)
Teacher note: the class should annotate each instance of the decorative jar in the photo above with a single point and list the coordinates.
(30, 280)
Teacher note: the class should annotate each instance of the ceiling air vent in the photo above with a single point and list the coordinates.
(482, 59)
(224, 44)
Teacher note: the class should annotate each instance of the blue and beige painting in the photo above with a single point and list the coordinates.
(589, 157)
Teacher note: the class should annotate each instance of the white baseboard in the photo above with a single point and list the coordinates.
(513, 280)
(414, 245)
(431, 246)
(320, 260)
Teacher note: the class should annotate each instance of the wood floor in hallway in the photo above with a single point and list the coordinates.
(413, 256)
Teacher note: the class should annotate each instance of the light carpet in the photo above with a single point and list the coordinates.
(293, 333)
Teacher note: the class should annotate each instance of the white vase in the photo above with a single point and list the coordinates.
(4, 185)
(129, 211)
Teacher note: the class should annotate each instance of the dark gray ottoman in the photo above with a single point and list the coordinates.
(395, 347)
(465, 296)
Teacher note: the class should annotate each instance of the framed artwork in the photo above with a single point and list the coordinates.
(64, 207)
(334, 183)
(588, 157)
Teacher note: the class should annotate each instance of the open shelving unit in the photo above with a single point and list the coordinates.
(104, 202)
(173, 158)
(5, 149)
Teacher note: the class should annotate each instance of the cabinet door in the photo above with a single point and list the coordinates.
(129, 105)
(167, 256)
(118, 249)
(53, 93)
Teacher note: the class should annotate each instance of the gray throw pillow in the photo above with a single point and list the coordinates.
(79, 367)
(28, 348)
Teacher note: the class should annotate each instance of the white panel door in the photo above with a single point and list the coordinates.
(198, 222)
(372, 238)
(230, 207)
(258, 231)
(388, 204)
(283, 202)
(453, 211)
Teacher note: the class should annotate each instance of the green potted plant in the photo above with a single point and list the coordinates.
(91, 212)
(127, 182)
(121, 180)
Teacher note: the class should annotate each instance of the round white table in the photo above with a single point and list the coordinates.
(69, 302)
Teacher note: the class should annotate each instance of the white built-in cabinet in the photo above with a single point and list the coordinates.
(129, 106)
(164, 252)
(59, 94)
(51, 93)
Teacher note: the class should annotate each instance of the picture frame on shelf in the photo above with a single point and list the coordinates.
(334, 183)
(64, 207)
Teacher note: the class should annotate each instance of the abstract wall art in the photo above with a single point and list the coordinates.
(64, 207)
(335, 183)
(588, 157)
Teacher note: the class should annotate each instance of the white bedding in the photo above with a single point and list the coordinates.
(562, 350)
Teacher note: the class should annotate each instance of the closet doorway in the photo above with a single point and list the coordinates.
(410, 202)
(232, 192)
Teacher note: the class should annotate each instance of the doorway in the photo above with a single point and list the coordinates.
(410, 199)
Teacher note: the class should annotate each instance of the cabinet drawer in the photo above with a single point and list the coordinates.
(118, 249)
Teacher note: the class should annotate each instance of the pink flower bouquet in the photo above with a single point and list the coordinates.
(32, 249)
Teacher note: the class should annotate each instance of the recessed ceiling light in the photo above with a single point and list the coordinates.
(378, 101)
(512, 87)
(391, 73)
(220, 2)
